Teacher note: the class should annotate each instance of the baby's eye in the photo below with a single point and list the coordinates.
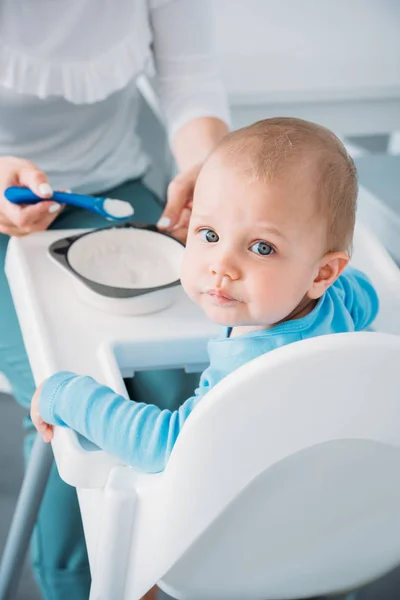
(262, 248)
(208, 235)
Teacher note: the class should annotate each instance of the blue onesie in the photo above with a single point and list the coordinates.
(142, 435)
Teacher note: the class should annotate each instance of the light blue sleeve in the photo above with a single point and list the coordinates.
(141, 435)
(359, 297)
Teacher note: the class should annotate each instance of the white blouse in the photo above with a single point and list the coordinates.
(68, 99)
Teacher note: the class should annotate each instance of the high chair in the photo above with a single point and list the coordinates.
(283, 483)
(216, 519)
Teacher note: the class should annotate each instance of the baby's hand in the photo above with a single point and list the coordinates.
(45, 430)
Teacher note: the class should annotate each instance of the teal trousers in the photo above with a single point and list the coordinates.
(58, 551)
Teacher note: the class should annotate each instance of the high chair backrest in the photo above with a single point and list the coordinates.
(283, 482)
(372, 258)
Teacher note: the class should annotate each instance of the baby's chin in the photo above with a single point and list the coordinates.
(229, 317)
(233, 314)
(220, 316)
(225, 317)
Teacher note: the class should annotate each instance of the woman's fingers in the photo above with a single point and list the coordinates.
(23, 219)
(183, 219)
(180, 230)
(179, 194)
(28, 219)
(33, 178)
(179, 197)
(7, 228)
(36, 217)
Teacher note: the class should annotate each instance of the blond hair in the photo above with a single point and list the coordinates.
(271, 147)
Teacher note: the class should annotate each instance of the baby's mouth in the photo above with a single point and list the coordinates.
(221, 296)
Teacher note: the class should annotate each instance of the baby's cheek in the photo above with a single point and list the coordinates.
(187, 277)
(273, 300)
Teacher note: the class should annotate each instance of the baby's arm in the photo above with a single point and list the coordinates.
(141, 435)
(359, 296)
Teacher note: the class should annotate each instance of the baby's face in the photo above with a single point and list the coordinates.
(253, 249)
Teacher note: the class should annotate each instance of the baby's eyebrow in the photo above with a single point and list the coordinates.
(271, 229)
(267, 227)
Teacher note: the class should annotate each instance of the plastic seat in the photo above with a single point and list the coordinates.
(283, 483)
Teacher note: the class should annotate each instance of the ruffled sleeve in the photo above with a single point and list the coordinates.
(90, 52)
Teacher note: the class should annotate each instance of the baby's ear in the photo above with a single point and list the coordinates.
(330, 267)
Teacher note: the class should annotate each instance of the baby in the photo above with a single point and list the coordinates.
(267, 251)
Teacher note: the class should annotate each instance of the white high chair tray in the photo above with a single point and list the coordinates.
(62, 333)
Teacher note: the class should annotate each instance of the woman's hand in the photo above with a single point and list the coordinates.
(16, 220)
(192, 145)
(176, 216)
(45, 430)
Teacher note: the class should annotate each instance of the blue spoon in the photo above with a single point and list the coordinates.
(113, 210)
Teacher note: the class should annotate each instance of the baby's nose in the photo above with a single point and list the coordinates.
(225, 268)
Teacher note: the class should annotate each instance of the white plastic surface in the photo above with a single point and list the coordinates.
(144, 304)
(383, 216)
(304, 531)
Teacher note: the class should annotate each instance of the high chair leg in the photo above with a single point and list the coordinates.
(23, 522)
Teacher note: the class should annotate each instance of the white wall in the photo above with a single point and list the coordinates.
(336, 62)
(309, 48)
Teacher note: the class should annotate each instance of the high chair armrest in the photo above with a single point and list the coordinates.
(81, 463)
